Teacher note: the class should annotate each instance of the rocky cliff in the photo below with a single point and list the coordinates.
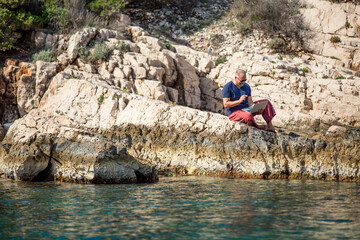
(151, 105)
(333, 31)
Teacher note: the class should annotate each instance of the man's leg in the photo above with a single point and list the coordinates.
(244, 117)
(268, 114)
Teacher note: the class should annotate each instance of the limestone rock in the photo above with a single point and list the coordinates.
(173, 94)
(32, 88)
(64, 59)
(150, 88)
(80, 38)
(67, 154)
(336, 131)
(136, 32)
(157, 73)
(40, 39)
(118, 73)
(25, 94)
(190, 82)
(106, 34)
(140, 72)
(44, 72)
(154, 43)
(324, 20)
(356, 61)
(120, 19)
(98, 111)
(51, 41)
(200, 60)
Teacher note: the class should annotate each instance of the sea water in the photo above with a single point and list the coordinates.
(181, 208)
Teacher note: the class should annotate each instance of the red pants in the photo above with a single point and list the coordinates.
(248, 118)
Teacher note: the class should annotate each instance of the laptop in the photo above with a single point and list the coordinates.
(255, 108)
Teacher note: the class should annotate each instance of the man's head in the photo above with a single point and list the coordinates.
(240, 78)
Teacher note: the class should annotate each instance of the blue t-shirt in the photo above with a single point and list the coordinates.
(231, 91)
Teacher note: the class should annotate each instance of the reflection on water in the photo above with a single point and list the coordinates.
(182, 208)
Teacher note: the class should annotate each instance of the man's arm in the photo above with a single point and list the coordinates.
(229, 104)
(250, 101)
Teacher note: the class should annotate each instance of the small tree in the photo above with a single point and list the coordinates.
(14, 17)
(107, 7)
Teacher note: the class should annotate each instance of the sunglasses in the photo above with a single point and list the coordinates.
(244, 80)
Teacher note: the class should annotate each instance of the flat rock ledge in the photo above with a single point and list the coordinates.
(86, 130)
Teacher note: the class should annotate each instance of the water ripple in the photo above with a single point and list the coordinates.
(181, 208)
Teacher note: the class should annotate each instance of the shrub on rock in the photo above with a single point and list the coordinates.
(277, 44)
(100, 53)
(43, 55)
(270, 16)
(335, 39)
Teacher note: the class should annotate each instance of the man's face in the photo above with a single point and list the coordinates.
(240, 81)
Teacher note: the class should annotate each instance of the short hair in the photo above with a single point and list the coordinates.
(239, 73)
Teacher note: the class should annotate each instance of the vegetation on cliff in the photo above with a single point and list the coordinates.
(15, 15)
(271, 17)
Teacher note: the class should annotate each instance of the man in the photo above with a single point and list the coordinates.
(237, 96)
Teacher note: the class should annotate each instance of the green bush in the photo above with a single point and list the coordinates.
(107, 7)
(19, 15)
(335, 39)
(219, 60)
(84, 53)
(100, 53)
(189, 26)
(165, 29)
(43, 55)
(304, 71)
(100, 99)
(122, 47)
(278, 44)
(66, 15)
(14, 17)
(55, 14)
(167, 44)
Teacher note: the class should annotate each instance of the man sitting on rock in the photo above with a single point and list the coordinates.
(237, 96)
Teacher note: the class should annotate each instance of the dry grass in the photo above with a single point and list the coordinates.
(269, 16)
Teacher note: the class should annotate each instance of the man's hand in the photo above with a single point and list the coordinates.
(243, 98)
(260, 111)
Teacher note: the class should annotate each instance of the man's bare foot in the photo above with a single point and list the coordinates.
(271, 128)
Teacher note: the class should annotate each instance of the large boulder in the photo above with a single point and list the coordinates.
(52, 151)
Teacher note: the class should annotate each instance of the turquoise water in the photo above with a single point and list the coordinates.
(181, 208)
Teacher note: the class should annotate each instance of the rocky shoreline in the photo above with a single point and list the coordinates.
(132, 142)
(149, 106)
